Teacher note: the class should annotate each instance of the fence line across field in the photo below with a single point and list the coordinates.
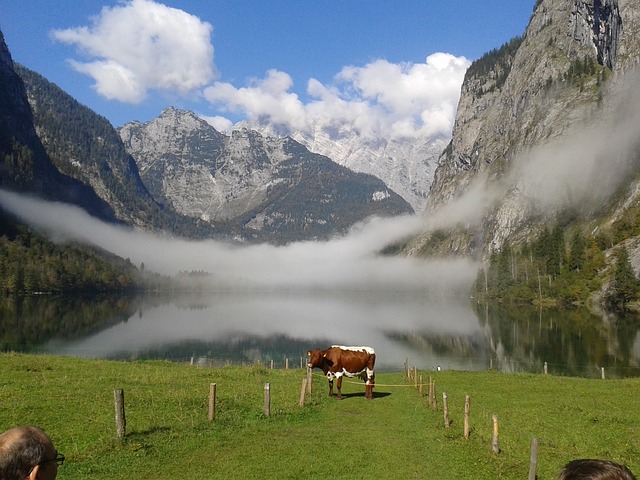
(410, 376)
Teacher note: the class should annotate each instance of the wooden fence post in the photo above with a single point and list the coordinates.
(533, 462)
(267, 399)
(467, 408)
(121, 423)
(212, 402)
(495, 445)
(309, 380)
(421, 387)
(430, 392)
(545, 368)
(602, 372)
(445, 409)
(435, 397)
(415, 376)
(406, 368)
(271, 364)
(286, 364)
(302, 391)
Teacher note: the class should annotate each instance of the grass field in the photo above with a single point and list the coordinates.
(396, 435)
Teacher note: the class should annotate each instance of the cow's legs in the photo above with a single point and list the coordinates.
(331, 388)
(339, 388)
(369, 384)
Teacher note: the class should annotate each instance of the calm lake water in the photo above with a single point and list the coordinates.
(249, 327)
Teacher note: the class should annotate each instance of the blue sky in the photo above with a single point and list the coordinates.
(292, 61)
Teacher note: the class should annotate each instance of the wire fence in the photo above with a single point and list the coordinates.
(610, 370)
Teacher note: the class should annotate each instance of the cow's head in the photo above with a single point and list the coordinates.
(315, 358)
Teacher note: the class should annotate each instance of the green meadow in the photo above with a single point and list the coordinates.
(395, 435)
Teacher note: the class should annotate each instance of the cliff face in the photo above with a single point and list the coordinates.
(25, 164)
(517, 130)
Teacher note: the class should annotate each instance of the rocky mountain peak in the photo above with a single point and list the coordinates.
(175, 132)
(184, 120)
(5, 55)
(257, 186)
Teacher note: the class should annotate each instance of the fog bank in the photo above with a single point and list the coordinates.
(349, 262)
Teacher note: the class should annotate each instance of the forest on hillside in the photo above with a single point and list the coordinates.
(30, 263)
(565, 268)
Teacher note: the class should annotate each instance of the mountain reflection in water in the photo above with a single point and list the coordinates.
(249, 327)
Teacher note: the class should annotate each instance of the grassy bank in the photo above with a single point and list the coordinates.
(397, 435)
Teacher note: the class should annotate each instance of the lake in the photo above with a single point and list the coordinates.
(263, 326)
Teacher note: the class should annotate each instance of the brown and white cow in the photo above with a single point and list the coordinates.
(337, 361)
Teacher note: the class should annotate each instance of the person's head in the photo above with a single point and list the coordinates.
(592, 469)
(28, 453)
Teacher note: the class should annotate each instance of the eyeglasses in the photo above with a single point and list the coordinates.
(59, 459)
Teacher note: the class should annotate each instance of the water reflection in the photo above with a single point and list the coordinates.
(572, 342)
(28, 322)
(249, 324)
(262, 326)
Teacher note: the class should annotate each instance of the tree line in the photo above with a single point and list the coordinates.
(495, 64)
(30, 263)
(561, 268)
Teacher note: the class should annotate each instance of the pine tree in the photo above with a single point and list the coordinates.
(577, 255)
(624, 286)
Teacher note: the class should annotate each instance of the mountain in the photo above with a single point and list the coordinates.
(190, 180)
(260, 188)
(24, 162)
(406, 165)
(84, 146)
(546, 133)
(28, 261)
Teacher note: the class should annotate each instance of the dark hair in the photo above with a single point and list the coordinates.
(21, 449)
(591, 469)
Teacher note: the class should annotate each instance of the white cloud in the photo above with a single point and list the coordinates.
(381, 99)
(113, 80)
(141, 45)
(263, 98)
(221, 124)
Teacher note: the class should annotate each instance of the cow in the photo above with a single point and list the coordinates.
(337, 361)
